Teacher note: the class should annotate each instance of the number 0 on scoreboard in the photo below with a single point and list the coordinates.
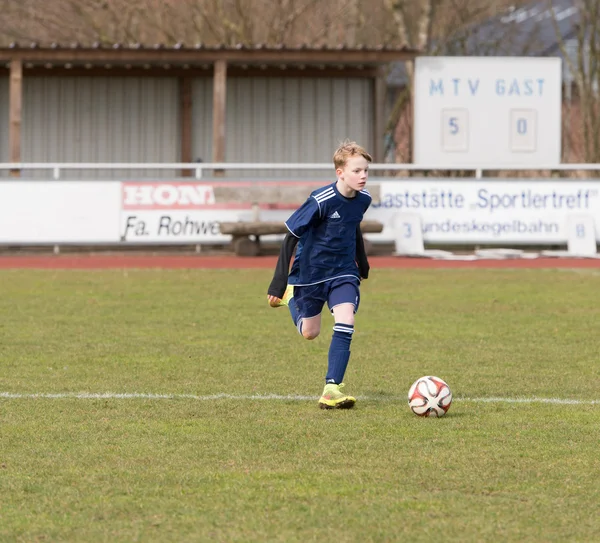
(523, 130)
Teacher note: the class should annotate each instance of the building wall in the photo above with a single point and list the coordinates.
(101, 119)
(285, 119)
(202, 119)
(137, 119)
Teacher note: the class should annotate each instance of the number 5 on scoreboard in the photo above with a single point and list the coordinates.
(455, 130)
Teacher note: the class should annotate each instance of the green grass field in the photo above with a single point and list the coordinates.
(243, 467)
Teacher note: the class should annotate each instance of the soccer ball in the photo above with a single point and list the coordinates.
(429, 396)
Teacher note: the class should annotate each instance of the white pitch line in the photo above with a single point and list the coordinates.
(253, 397)
(559, 401)
(149, 396)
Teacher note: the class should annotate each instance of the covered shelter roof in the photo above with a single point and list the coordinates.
(194, 56)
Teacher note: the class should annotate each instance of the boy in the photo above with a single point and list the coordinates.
(330, 261)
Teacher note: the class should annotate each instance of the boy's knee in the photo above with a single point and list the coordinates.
(310, 334)
(344, 313)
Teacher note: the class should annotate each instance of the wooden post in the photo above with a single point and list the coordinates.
(185, 108)
(16, 97)
(219, 105)
(379, 93)
(410, 66)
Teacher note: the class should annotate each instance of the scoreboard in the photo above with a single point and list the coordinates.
(485, 111)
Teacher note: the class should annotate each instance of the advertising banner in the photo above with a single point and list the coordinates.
(186, 212)
(470, 211)
(486, 211)
(35, 212)
(169, 212)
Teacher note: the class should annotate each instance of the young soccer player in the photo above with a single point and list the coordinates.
(330, 261)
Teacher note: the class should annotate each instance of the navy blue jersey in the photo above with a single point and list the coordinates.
(326, 226)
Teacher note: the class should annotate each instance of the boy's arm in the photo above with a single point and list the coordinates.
(361, 255)
(282, 268)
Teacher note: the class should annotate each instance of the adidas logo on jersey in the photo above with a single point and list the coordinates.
(335, 215)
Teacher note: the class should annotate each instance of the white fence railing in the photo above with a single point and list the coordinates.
(200, 168)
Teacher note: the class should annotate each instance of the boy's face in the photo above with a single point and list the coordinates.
(355, 173)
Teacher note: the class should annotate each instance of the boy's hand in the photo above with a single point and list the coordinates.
(274, 301)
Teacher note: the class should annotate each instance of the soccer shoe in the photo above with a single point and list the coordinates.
(287, 296)
(334, 398)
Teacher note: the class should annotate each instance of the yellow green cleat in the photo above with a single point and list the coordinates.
(334, 398)
(287, 296)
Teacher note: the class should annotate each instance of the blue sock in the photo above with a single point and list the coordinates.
(295, 315)
(339, 353)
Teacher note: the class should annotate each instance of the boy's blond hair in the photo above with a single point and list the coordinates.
(346, 150)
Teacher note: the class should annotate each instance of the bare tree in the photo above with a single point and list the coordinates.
(224, 22)
(227, 22)
(582, 59)
(416, 36)
(64, 21)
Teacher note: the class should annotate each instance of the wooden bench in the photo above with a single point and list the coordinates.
(245, 235)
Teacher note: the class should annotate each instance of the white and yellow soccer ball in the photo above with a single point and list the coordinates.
(429, 396)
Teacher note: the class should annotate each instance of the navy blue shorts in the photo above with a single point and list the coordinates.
(310, 300)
